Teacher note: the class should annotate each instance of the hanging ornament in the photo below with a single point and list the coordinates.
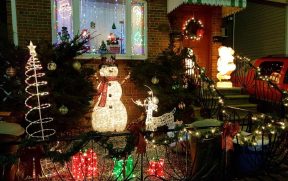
(11, 71)
(92, 25)
(51, 66)
(156, 168)
(181, 105)
(63, 110)
(113, 26)
(84, 165)
(155, 80)
(155, 100)
(77, 65)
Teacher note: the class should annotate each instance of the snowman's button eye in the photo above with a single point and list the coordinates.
(109, 84)
(110, 95)
(110, 107)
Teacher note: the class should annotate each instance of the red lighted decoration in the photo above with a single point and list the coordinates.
(156, 168)
(84, 165)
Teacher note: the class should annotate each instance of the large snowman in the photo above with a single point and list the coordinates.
(109, 113)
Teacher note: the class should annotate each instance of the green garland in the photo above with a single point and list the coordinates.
(79, 143)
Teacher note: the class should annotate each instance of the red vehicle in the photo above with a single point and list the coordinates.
(272, 68)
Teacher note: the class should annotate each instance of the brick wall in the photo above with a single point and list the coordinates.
(158, 27)
(9, 20)
(33, 21)
(216, 31)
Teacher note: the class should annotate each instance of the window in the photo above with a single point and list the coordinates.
(267, 68)
(120, 24)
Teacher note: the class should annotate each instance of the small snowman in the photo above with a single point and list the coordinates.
(109, 113)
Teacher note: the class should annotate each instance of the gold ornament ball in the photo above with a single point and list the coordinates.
(155, 100)
(11, 71)
(154, 80)
(63, 110)
(51, 66)
(77, 65)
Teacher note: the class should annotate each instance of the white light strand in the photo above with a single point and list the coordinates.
(32, 75)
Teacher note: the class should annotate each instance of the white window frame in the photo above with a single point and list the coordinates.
(76, 29)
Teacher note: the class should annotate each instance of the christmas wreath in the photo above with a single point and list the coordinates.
(193, 29)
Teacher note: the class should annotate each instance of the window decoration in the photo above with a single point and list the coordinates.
(137, 28)
(103, 18)
(63, 11)
(193, 29)
(108, 21)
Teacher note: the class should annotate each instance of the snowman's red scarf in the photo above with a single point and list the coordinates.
(102, 91)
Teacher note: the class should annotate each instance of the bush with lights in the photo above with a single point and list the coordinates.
(69, 81)
(166, 77)
(12, 60)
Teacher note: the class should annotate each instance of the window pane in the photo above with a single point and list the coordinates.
(137, 24)
(267, 68)
(105, 21)
(63, 12)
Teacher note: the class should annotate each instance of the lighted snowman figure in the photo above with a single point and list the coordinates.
(109, 113)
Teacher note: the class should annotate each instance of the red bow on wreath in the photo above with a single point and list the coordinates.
(102, 90)
(229, 131)
(135, 128)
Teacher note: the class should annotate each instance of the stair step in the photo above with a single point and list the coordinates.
(230, 91)
(236, 99)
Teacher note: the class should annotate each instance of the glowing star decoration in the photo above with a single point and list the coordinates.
(119, 166)
(109, 113)
(225, 66)
(156, 168)
(152, 123)
(84, 165)
(34, 103)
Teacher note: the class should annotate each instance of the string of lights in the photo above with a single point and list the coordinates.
(33, 102)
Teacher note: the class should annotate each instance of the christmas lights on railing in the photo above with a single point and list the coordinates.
(266, 79)
(35, 115)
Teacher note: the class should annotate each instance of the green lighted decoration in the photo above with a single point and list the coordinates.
(118, 169)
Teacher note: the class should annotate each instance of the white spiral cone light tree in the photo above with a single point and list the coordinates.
(37, 113)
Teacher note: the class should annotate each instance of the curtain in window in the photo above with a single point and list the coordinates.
(98, 17)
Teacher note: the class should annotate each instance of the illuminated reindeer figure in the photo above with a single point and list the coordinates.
(150, 105)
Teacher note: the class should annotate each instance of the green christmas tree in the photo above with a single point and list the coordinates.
(12, 94)
(103, 48)
(167, 78)
(71, 87)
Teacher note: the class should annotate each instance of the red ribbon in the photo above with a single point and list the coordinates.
(102, 90)
(135, 129)
(30, 159)
(229, 131)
